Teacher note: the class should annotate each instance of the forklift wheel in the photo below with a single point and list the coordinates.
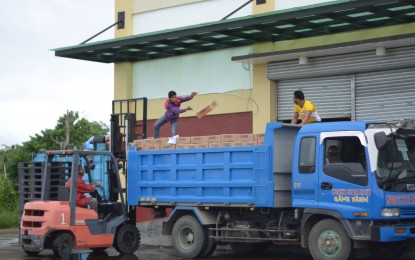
(31, 253)
(127, 239)
(62, 245)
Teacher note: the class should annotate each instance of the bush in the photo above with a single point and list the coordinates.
(8, 196)
(9, 215)
(9, 219)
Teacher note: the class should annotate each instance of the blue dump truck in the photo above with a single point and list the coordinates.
(329, 187)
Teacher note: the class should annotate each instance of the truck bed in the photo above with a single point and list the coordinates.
(228, 176)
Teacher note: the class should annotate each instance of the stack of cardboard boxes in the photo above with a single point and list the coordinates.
(210, 141)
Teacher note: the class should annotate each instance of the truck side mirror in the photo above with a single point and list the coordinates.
(380, 140)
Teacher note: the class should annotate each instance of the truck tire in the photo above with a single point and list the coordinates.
(387, 251)
(247, 248)
(127, 239)
(328, 240)
(189, 237)
(62, 245)
(210, 248)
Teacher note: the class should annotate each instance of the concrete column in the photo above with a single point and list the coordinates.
(124, 6)
(123, 71)
(123, 80)
(264, 91)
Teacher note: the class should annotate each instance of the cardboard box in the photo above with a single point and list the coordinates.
(182, 146)
(251, 143)
(226, 144)
(167, 147)
(148, 142)
(204, 111)
(245, 137)
(205, 145)
(151, 147)
(183, 140)
(161, 141)
(229, 138)
(198, 139)
(237, 143)
(191, 146)
(214, 145)
(258, 137)
(138, 143)
(260, 142)
(213, 138)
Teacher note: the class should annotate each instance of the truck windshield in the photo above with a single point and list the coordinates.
(396, 163)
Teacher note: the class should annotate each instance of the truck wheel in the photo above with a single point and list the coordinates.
(210, 248)
(248, 248)
(189, 237)
(387, 251)
(127, 239)
(329, 240)
(62, 245)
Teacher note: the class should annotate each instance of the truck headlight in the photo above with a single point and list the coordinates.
(390, 212)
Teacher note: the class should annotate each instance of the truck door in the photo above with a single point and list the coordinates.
(305, 177)
(343, 176)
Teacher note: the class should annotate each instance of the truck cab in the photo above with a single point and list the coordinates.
(361, 174)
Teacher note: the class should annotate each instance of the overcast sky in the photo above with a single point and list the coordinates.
(37, 87)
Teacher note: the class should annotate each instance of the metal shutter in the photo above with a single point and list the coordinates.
(385, 95)
(331, 96)
(343, 64)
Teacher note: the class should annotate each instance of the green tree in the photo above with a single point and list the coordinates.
(70, 132)
(13, 156)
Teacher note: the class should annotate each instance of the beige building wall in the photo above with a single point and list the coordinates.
(229, 102)
(123, 70)
(260, 100)
(264, 91)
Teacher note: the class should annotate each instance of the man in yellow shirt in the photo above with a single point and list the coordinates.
(304, 109)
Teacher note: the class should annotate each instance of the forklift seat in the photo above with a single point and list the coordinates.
(63, 193)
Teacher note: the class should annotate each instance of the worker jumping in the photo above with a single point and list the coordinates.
(304, 109)
(173, 111)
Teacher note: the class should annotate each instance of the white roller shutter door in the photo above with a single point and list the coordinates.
(385, 95)
(331, 96)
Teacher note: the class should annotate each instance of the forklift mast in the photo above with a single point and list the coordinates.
(127, 126)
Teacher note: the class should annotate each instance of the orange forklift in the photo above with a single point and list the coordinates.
(58, 224)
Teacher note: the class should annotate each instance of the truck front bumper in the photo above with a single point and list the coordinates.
(392, 233)
(32, 243)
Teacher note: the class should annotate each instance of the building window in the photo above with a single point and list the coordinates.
(345, 160)
(307, 160)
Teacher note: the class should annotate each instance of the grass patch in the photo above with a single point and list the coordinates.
(9, 219)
